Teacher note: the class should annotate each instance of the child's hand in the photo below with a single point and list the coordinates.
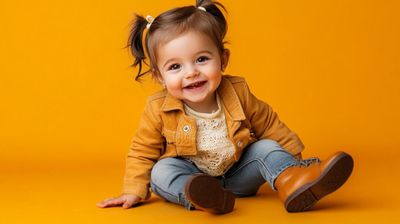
(126, 200)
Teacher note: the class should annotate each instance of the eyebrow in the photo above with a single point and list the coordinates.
(200, 52)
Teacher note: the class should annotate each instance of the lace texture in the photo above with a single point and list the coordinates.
(215, 151)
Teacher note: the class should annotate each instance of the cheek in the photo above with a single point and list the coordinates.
(217, 79)
(214, 68)
(173, 83)
(214, 73)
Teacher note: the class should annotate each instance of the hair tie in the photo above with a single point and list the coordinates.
(150, 20)
(202, 8)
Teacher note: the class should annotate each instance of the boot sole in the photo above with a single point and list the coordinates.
(206, 193)
(331, 179)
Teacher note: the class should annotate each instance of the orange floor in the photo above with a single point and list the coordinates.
(68, 195)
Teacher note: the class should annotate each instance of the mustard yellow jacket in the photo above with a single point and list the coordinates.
(165, 131)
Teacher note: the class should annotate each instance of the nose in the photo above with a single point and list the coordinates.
(192, 72)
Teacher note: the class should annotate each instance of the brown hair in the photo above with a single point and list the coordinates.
(171, 24)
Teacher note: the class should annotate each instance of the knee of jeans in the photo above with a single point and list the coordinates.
(160, 170)
(265, 146)
(269, 143)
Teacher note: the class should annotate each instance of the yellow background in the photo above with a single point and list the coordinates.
(69, 104)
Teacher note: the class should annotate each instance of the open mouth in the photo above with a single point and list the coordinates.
(195, 85)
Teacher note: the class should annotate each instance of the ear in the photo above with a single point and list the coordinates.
(225, 59)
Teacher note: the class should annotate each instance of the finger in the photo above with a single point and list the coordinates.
(103, 202)
(101, 205)
(106, 200)
(130, 202)
(116, 201)
(111, 202)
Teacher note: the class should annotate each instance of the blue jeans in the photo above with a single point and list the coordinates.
(260, 162)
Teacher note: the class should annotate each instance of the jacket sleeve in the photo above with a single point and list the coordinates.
(266, 124)
(144, 151)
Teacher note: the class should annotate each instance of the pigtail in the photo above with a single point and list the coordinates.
(135, 44)
(212, 7)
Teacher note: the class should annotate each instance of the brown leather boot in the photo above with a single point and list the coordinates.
(300, 187)
(206, 193)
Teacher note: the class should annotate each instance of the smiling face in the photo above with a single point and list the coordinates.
(190, 66)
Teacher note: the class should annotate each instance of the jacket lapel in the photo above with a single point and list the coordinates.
(233, 109)
(231, 100)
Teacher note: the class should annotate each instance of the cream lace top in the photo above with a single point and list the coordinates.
(215, 151)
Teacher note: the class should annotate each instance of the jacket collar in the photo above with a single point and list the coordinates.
(228, 97)
(171, 103)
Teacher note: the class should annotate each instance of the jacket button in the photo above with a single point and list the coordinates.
(239, 144)
(186, 128)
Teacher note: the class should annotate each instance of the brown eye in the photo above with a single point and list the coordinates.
(174, 67)
(202, 59)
